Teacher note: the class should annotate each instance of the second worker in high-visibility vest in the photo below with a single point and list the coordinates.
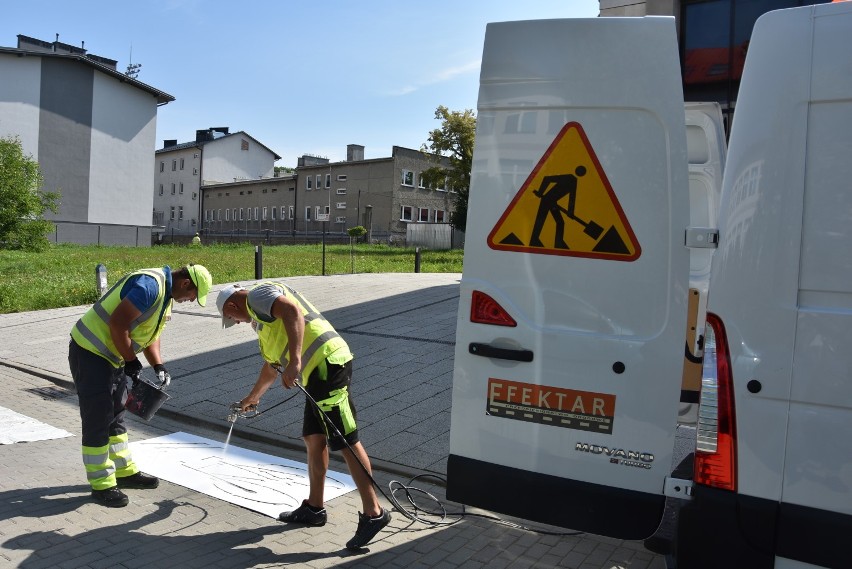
(297, 340)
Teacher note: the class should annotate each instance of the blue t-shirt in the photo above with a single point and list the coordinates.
(142, 290)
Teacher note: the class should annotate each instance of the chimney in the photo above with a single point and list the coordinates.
(169, 143)
(354, 152)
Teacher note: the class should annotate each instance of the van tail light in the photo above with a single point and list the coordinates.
(716, 441)
(486, 310)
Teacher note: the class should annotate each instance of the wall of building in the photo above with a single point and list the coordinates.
(180, 181)
(639, 7)
(235, 156)
(19, 100)
(124, 123)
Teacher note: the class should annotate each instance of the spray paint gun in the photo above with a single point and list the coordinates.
(235, 411)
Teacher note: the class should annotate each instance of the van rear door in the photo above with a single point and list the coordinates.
(570, 338)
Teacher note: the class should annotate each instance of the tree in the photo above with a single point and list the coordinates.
(22, 225)
(354, 233)
(454, 143)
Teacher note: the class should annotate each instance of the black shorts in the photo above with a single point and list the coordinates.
(332, 393)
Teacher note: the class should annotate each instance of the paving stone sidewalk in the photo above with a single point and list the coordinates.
(401, 328)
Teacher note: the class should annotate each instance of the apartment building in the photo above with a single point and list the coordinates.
(382, 194)
(215, 157)
(91, 128)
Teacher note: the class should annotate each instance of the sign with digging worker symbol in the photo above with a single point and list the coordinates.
(567, 207)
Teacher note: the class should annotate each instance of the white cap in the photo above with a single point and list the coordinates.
(223, 297)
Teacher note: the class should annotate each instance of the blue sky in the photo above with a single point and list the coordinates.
(300, 77)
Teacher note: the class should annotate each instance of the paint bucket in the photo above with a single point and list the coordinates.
(145, 399)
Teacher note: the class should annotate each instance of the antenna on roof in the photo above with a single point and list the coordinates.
(132, 68)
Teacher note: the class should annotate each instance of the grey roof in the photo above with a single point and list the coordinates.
(162, 97)
(199, 144)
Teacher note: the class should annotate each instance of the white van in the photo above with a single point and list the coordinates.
(588, 227)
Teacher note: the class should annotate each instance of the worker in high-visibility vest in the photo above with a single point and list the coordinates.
(127, 319)
(298, 343)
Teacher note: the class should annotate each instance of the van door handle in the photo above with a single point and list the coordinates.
(489, 351)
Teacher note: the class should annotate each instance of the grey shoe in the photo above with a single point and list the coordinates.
(304, 515)
(111, 497)
(367, 529)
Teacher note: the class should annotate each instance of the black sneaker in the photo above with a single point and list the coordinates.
(138, 480)
(111, 497)
(304, 515)
(367, 529)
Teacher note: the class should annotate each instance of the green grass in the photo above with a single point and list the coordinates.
(64, 275)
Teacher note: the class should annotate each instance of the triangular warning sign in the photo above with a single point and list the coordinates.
(567, 207)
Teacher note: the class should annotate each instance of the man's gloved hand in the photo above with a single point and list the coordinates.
(162, 375)
(132, 369)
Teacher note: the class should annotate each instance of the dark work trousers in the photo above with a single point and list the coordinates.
(102, 391)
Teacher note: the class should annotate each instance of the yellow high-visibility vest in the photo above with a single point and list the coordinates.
(320, 341)
(92, 330)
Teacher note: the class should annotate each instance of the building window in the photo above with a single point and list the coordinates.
(195, 171)
(341, 191)
(234, 214)
(205, 216)
(272, 212)
(255, 214)
(423, 214)
(328, 181)
(173, 189)
(264, 214)
(408, 178)
(161, 189)
(442, 185)
(162, 166)
(308, 181)
(420, 182)
(219, 215)
(292, 210)
(341, 177)
(172, 213)
(340, 205)
(340, 219)
(264, 190)
(308, 213)
(406, 212)
(248, 214)
(180, 212)
(227, 215)
(244, 144)
(194, 195)
(181, 163)
(319, 180)
(439, 216)
(241, 214)
(174, 165)
(283, 212)
(181, 187)
(195, 155)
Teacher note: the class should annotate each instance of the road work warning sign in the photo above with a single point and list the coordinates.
(567, 408)
(567, 207)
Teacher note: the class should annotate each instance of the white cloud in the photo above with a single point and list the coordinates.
(440, 77)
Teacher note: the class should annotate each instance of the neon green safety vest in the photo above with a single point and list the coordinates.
(320, 341)
(92, 330)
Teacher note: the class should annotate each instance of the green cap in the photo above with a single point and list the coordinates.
(203, 281)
